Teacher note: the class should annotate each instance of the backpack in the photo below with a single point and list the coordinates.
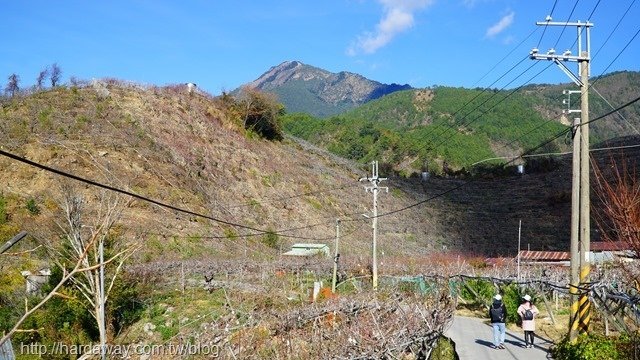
(528, 315)
(496, 313)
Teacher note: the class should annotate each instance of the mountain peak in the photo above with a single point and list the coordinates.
(305, 88)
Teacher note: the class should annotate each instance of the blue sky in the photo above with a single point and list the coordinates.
(222, 44)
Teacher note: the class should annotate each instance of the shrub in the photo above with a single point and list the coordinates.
(3, 210)
(271, 239)
(511, 297)
(33, 208)
(260, 113)
(591, 347)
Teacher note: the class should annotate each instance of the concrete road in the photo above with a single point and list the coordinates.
(474, 340)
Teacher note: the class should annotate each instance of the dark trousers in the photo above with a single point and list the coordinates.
(528, 337)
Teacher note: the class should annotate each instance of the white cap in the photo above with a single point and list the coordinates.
(498, 297)
(527, 297)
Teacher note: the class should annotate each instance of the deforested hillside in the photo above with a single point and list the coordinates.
(193, 249)
(190, 151)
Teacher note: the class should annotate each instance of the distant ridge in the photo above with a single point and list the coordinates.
(321, 93)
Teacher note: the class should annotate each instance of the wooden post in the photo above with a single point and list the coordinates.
(546, 304)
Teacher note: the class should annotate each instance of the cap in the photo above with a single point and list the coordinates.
(498, 297)
(527, 297)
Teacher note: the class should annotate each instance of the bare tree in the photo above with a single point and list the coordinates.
(42, 76)
(56, 73)
(621, 199)
(12, 85)
(89, 236)
(619, 220)
(66, 276)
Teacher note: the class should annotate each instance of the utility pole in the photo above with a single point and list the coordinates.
(585, 203)
(102, 317)
(575, 231)
(519, 235)
(336, 257)
(580, 202)
(374, 180)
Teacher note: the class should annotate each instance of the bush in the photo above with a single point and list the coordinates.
(593, 347)
(271, 239)
(511, 297)
(32, 207)
(3, 210)
(260, 113)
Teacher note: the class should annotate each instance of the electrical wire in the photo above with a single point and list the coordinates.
(504, 58)
(565, 25)
(613, 30)
(548, 19)
(279, 199)
(511, 93)
(140, 197)
(451, 126)
(527, 152)
(617, 56)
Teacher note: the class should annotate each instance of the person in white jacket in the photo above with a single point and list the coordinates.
(528, 312)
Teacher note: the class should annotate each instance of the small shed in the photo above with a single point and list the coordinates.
(35, 280)
(308, 250)
(529, 257)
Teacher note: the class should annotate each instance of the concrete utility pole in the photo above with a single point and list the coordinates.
(580, 219)
(374, 180)
(336, 257)
(519, 236)
(102, 316)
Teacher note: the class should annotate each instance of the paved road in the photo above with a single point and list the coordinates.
(474, 340)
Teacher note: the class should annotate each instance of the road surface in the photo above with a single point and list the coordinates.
(474, 340)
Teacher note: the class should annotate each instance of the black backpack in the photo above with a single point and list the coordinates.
(528, 315)
(496, 313)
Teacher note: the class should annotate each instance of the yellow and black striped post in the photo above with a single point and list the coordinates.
(584, 305)
(574, 318)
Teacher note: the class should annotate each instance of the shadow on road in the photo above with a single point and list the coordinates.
(515, 343)
(484, 342)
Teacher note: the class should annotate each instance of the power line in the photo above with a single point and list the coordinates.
(613, 111)
(433, 129)
(618, 113)
(499, 101)
(504, 58)
(617, 56)
(139, 197)
(565, 25)
(279, 199)
(556, 153)
(549, 18)
(593, 11)
(614, 29)
(559, 134)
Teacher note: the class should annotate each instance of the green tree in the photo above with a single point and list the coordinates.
(260, 112)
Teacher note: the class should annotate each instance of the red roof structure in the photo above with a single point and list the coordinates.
(527, 255)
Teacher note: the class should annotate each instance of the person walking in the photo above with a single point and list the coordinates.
(528, 312)
(498, 316)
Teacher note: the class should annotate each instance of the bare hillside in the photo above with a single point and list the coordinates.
(188, 151)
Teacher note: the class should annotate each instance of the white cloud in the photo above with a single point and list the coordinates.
(501, 25)
(398, 17)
